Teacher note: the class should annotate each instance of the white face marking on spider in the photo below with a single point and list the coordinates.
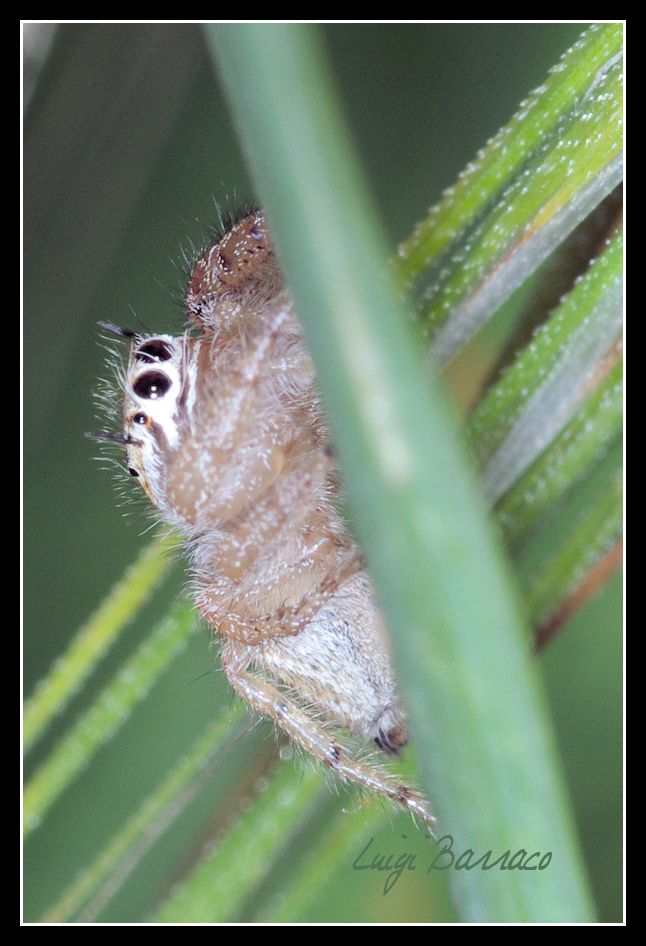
(227, 435)
(160, 394)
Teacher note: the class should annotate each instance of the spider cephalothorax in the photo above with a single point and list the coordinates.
(226, 433)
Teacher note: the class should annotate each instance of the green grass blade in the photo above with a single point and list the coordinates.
(558, 276)
(478, 717)
(597, 531)
(565, 462)
(333, 843)
(543, 387)
(555, 543)
(127, 847)
(93, 640)
(341, 842)
(506, 153)
(227, 874)
(108, 712)
(574, 170)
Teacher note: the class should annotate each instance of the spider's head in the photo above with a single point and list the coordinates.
(154, 412)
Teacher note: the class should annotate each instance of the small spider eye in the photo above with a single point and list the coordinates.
(151, 385)
(132, 471)
(140, 418)
(154, 351)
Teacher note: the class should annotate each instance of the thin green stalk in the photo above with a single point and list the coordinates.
(94, 638)
(598, 530)
(558, 276)
(565, 462)
(106, 714)
(570, 175)
(478, 714)
(227, 874)
(341, 842)
(506, 154)
(124, 851)
(567, 347)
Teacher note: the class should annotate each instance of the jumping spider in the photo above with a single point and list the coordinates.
(226, 433)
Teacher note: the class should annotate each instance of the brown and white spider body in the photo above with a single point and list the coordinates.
(226, 433)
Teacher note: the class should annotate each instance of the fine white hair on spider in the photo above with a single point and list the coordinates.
(225, 431)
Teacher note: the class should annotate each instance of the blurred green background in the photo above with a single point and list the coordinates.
(125, 155)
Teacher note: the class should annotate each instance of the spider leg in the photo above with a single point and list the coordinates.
(307, 733)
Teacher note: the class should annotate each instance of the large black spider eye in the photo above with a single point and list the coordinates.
(155, 350)
(132, 471)
(152, 384)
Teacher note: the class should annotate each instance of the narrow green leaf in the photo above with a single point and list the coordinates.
(544, 386)
(92, 641)
(124, 851)
(107, 713)
(597, 531)
(229, 871)
(342, 840)
(506, 154)
(544, 291)
(573, 170)
(566, 460)
(485, 749)
(332, 847)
